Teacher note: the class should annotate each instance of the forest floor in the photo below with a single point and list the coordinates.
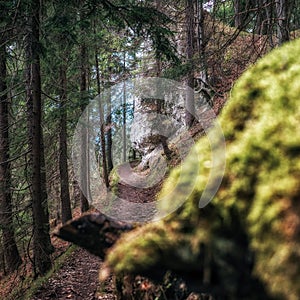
(76, 276)
(77, 279)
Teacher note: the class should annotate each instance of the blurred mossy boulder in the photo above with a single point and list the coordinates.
(245, 244)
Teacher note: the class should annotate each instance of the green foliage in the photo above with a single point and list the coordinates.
(6, 10)
(141, 20)
(224, 11)
(256, 210)
(178, 71)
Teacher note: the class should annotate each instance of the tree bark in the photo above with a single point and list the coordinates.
(202, 81)
(66, 212)
(190, 31)
(10, 251)
(124, 136)
(238, 13)
(201, 41)
(262, 19)
(270, 11)
(110, 165)
(283, 20)
(101, 115)
(84, 173)
(242, 13)
(42, 247)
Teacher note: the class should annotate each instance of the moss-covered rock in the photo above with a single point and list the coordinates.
(249, 235)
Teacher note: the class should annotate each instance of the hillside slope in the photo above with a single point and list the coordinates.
(247, 239)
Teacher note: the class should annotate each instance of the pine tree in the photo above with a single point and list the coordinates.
(42, 247)
(11, 254)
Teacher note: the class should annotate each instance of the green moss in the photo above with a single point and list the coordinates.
(32, 286)
(257, 206)
(114, 180)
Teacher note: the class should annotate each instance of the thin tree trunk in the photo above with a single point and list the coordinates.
(283, 19)
(109, 137)
(238, 13)
(42, 247)
(190, 26)
(102, 135)
(66, 212)
(75, 190)
(88, 160)
(167, 151)
(270, 11)
(11, 254)
(242, 13)
(124, 137)
(261, 24)
(84, 173)
(201, 43)
(158, 60)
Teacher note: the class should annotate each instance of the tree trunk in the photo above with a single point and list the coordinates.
(242, 13)
(84, 173)
(190, 26)
(158, 60)
(42, 247)
(262, 20)
(238, 13)
(202, 83)
(109, 137)
(283, 20)
(201, 41)
(164, 143)
(10, 251)
(270, 12)
(66, 212)
(102, 136)
(124, 137)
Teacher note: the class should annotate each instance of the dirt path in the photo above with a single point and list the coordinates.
(137, 195)
(133, 186)
(77, 280)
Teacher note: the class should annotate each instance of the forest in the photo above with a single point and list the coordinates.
(149, 149)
